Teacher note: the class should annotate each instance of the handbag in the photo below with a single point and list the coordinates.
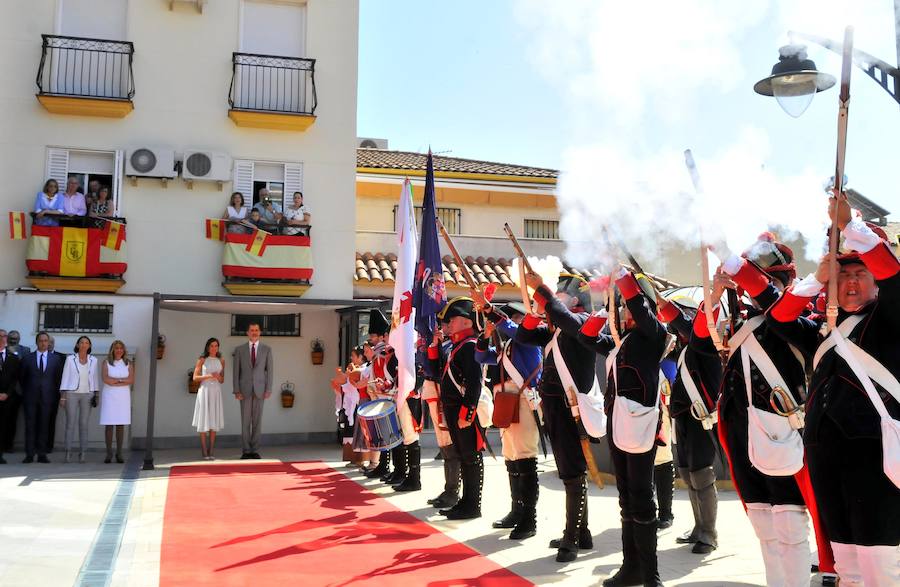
(774, 447)
(866, 368)
(634, 425)
(506, 403)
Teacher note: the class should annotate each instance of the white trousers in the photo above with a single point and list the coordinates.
(520, 441)
(869, 566)
(783, 533)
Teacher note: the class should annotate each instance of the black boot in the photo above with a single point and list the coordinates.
(664, 479)
(515, 513)
(450, 496)
(404, 470)
(382, 468)
(413, 480)
(399, 457)
(630, 571)
(645, 543)
(528, 494)
(576, 500)
(469, 506)
(585, 540)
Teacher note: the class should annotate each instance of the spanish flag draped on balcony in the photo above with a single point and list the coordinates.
(267, 256)
(75, 252)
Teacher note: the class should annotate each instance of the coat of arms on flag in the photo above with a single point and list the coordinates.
(215, 229)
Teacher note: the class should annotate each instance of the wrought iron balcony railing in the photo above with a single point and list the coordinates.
(86, 68)
(268, 83)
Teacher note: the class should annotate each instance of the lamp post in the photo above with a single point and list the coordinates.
(795, 80)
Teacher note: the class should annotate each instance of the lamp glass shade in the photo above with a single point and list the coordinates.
(794, 92)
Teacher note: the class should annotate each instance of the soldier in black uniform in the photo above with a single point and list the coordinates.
(633, 374)
(848, 447)
(696, 440)
(461, 386)
(774, 502)
(566, 313)
(436, 358)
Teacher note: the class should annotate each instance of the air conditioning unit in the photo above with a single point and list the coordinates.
(151, 162)
(365, 143)
(206, 166)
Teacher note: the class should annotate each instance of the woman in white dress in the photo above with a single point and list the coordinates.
(115, 399)
(78, 393)
(209, 416)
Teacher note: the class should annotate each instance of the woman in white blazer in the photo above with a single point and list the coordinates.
(78, 394)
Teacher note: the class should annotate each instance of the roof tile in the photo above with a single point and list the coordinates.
(409, 161)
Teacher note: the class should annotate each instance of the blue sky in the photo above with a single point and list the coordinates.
(504, 81)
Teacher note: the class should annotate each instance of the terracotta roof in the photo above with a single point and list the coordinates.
(379, 268)
(406, 160)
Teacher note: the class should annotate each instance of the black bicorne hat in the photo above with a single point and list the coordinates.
(459, 306)
(378, 324)
(577, 287)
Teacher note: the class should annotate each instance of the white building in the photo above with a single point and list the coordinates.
(265, 91)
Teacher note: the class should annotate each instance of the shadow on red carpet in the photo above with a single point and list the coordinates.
(287, 523)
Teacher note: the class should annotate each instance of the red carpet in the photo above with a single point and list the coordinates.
(304, 524)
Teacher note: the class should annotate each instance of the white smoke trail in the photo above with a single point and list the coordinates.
(620, 62)
(548, 268)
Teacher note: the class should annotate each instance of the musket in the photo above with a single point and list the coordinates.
(831, 311)
(524, 266)
(463, 268)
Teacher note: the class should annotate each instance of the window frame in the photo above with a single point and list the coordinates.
(453, 228)
(263, 320)
(549, 222)
(76, 329)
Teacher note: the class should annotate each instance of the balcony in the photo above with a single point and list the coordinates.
(86, 77)
(77, 253)
(272, 92)
(278, 265)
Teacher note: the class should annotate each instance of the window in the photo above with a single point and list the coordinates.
(271, 325)
(544, 229)
(277, 178)
(75, 318)
(451, 218)
(86, 166)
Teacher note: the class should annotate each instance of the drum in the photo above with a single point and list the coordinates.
(379, 425)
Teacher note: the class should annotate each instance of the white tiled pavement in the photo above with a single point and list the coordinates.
(49, 515)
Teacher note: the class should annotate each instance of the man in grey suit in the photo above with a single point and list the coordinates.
(253, 369)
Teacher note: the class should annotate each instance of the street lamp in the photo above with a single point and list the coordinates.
(794, 80)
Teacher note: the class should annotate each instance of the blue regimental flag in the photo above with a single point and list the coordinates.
(429, 291)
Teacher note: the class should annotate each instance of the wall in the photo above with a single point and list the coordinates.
(182, 70)
(311, 417)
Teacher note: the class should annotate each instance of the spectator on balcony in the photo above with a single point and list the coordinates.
(73, 200)
(93, 193)
(297, 217)
(102, 206)
(255, 218)
(236, 214)
(269, 212)
(48, 204)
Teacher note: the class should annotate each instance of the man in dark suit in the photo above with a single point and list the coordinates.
(9, 378)
(39, 374)
(11, 417)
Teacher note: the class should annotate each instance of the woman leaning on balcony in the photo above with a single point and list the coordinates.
(236, 214)
(48, 204)
(102, 206)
